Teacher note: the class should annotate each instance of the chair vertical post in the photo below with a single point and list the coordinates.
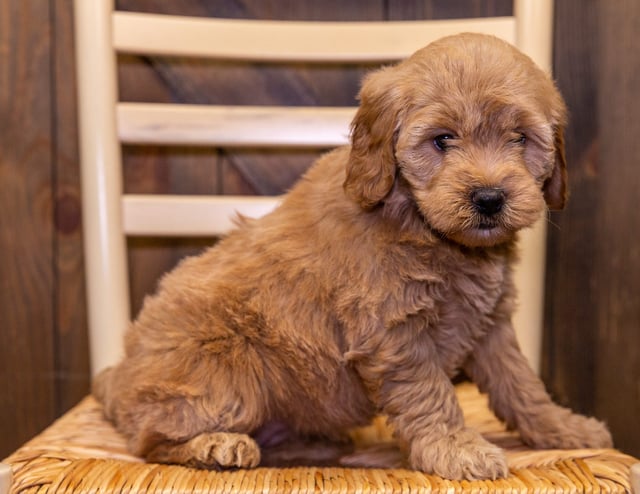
(101, 170)
(534, 21)
(534, 30)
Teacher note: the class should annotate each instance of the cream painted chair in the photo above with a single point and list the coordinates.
(81, 452)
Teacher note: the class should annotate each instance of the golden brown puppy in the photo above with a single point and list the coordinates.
(386, 269)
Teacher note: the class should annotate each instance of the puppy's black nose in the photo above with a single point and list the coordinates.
(487, 200)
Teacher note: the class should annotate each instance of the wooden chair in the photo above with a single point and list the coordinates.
(81, 452)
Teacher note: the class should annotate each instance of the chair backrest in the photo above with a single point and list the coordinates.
(109, 215)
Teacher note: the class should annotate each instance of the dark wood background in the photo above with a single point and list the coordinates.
(592, 321)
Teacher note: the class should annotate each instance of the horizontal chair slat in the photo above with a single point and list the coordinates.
(273, 41)
(154, 123)
(168, 215)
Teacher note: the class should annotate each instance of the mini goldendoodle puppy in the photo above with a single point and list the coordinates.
(385, 271)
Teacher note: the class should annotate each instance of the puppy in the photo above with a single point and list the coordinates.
(385, 271)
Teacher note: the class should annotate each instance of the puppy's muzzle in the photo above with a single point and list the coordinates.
(488, 201)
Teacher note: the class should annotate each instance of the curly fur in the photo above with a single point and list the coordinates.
(376, 280)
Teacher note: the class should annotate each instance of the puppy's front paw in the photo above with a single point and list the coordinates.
(225, 450)
(461, 455)
(561, 429)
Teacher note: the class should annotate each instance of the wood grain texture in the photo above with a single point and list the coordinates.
(571, 295)
(445, 9)
(617, 382)
(592, 357)
(70, 318)
(27, 362)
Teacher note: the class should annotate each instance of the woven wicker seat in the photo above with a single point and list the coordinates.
(82, 452)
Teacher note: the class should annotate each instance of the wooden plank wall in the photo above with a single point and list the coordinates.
(591, 346)
(27, 246)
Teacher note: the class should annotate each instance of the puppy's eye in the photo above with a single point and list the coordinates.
(441, 143)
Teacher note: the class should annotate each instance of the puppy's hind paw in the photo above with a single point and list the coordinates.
(225, 450)
(214, 450)
(462, 455)
(563, 429)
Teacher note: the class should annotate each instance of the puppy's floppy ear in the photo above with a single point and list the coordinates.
(555, 188)
(372, 165)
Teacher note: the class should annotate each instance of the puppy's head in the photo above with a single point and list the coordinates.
(473, 130)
